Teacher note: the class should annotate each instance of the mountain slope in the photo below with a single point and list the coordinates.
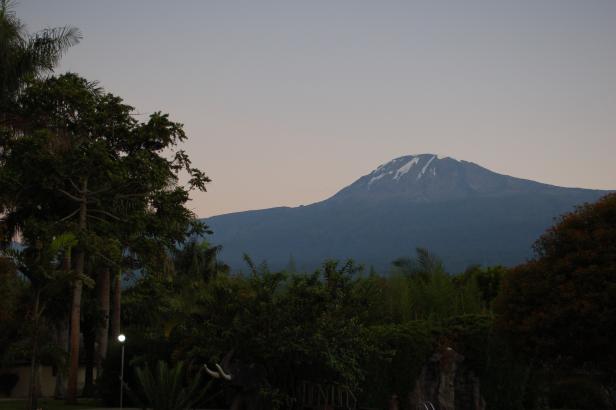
(462, 212)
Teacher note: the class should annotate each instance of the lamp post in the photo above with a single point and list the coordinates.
(122, 339)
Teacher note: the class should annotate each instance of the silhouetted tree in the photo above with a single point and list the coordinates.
(561, 306)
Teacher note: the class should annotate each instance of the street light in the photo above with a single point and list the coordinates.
(122, 339)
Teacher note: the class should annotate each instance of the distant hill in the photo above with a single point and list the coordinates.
(462, 212)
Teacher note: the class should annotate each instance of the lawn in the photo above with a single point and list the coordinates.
(48, 404)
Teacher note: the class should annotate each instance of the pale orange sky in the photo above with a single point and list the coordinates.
(285, 102)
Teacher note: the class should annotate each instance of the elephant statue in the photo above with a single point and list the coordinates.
(244, 379)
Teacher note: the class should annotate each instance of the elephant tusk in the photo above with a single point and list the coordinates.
(211, 372)
(223, 374)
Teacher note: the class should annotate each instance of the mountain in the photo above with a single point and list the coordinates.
(462, 212)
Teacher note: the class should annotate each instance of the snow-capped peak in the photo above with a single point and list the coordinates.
(427, 177)
(401, 166)
(397, 168)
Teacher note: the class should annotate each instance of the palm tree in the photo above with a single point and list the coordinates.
(422, 266)
(25, 56)
(428, 288)
(48, 277)
(198, 261)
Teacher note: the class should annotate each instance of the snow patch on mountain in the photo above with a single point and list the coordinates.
(423, 170)
(376, 178)
(406, 168)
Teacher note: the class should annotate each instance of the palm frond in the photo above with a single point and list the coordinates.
(251, 264)
(428, 262)
(27, 56)
(47, 46)
(63, 242)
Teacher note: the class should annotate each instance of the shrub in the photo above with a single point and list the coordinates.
(139, 350)
(403, 351)
(577, 393)
(165, 389)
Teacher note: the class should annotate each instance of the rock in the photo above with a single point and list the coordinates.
(445, 383)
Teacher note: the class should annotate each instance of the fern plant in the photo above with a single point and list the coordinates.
(165, 389)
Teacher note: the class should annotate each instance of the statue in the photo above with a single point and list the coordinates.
(244, 379)
(445, 383)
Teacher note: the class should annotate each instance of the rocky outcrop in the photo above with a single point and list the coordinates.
(445, 383)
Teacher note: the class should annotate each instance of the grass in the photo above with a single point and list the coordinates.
(49, 404)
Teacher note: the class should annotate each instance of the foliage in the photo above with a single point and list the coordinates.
(297, 327)
(561, 306)
(402, 351)
(578, 393)
(165, 389)
(13, 291)
(25, 56)
(47, 283)
(328, 326)
(198, 261)
(79, 144)
(486, 279)
(80, 164)
(505, 376)
(420, 289)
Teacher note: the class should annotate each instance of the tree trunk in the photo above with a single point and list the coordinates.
(117, 306)
(62, 332)
(103, 331)
(89, 339)
(73, 371)
(33, 382)
(62, 342)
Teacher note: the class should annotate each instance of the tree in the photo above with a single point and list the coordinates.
(560, 307)
(198, 261)
(290, 327)
(25, 56)
(420, 288)
(12, 290)
(41, 264)
(83, 164)
(487, 280)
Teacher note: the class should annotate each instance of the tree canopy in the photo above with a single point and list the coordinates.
(561, 306)
(79, 163)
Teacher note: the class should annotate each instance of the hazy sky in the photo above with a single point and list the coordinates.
(286, 102)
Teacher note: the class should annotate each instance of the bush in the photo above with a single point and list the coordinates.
(504, 376)
(403, 351)
(577, 393)
(167, 389)
(469, 336)
(139, 350)
(561, 305)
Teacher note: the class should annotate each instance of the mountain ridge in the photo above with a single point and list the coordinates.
(459, 210)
